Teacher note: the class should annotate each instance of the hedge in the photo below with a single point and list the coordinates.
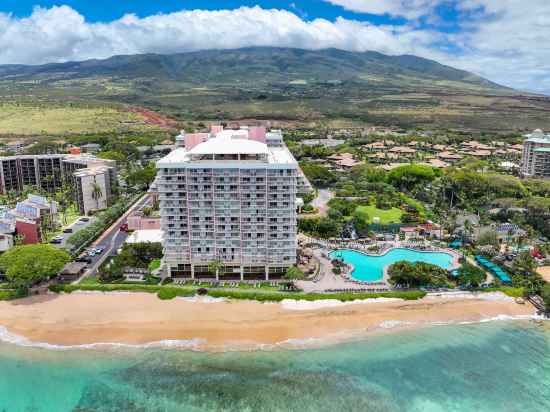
(8, 294)
(84, 237)
(170, 292)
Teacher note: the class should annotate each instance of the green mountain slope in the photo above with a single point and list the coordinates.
(284, 84)
(266, 65)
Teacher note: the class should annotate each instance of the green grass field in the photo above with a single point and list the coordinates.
(392, 215)
(56, 119)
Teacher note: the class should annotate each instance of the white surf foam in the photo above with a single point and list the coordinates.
(291, 304)
(99, 292)
(8, 337)
(390, 324)
(489, 296)
(201, 299)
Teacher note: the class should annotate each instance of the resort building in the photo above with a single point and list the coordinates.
(229, 196)
(536, 155)
(49, 172)
(28, 219)
(7, 231)
(93, 188)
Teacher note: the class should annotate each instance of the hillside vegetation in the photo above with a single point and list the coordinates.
(331, 86)
(59, 119)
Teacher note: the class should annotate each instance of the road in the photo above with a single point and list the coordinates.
(320, 202)
(112, 239)
(77, 226)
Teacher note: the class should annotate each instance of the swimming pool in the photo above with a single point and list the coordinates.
(371, 268)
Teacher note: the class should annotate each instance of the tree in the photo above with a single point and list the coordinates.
(143, 177)
(412, 275)
(318, 175)
(293, 273)
(410, 176)
(64, 198)
(97, 193)
(27, 265)
(470, 275)
(524, 264)
(113, 155)
(19, 239)
(545, 295)
(214, 268)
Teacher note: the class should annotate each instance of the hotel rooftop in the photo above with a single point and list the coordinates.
(223, 148)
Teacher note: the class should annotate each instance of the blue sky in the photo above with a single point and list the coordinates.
(502, 40)
(107, 10)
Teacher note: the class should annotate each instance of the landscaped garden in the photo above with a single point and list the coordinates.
(385, 217)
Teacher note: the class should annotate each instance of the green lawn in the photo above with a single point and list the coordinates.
(154, 265)
(392, 215)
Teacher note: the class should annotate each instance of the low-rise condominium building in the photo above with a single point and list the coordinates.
(50, 171)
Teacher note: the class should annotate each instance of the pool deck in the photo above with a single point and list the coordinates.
(328, 281)
(455, 264)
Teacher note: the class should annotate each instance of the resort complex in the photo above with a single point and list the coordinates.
(230, 197)
(51, 172)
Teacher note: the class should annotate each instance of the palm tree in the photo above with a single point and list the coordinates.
(19, 239)
(214, 268)
(97, 193)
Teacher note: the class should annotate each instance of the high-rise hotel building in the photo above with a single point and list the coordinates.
(535, 160)
(229, 196)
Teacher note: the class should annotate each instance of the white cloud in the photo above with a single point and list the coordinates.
(411, 9)
(61, 34)
(503, 40)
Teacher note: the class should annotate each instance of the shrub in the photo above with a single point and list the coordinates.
(167, 293)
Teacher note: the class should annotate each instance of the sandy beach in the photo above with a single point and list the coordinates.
(544, 271)
(80, 319)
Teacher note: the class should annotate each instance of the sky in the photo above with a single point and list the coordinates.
(506, 41)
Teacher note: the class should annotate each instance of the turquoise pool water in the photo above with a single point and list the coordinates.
(371, 268)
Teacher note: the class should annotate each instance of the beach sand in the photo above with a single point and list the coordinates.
(137, 318)
(544, 271)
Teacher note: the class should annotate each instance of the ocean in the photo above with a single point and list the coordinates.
(496, 366)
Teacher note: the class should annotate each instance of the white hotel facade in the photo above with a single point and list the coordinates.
(535, 160)
(229, 196)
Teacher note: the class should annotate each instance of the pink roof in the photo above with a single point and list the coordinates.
(257, 133)
(193, 139)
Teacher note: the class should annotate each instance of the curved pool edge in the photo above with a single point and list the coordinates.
(455, 264)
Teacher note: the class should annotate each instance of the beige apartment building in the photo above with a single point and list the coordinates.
(50, 171)
(229, 196)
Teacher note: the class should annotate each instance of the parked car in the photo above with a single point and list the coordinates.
(84, 219)
(55, 241)
(68, 230)
(83, 259)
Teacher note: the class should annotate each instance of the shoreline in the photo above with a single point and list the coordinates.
(140, 320)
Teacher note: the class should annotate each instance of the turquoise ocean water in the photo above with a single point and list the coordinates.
(371, 268)
(497, 366)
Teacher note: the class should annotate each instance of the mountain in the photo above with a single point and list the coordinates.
(284, 84)
(267, 65)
